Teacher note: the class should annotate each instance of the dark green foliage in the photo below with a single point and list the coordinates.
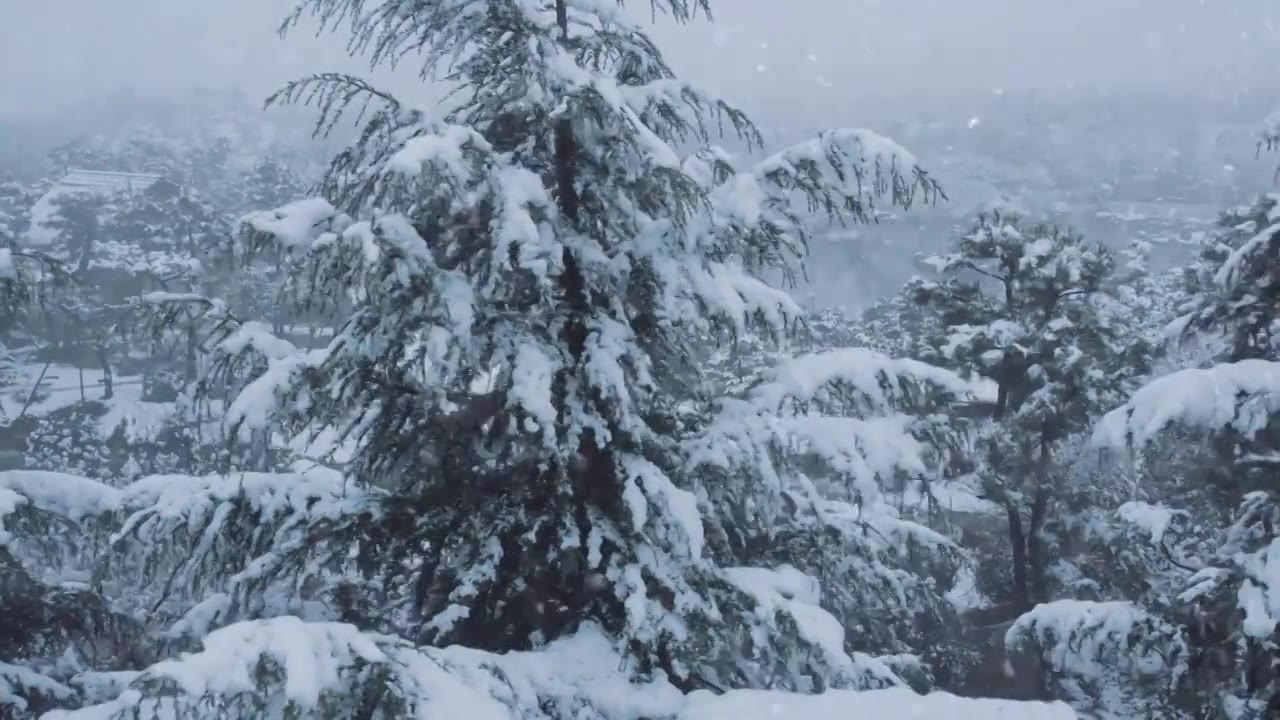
(1236, 282)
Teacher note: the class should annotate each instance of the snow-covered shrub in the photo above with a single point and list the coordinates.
(1108, 659)
(1234, 283)
(162, 385)
(1230, 653)
(58, 624)
(71, 439)
(799, 472)
(309, 662)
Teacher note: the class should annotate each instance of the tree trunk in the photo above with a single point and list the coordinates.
(566, 146)
(108, 385)
(86, 248)
(189, 369)
(590, 471)
(1018, 544)
(1036, 555)
(1002, 400)
(1039, 514)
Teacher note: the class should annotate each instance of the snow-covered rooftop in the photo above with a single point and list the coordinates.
(77, 182)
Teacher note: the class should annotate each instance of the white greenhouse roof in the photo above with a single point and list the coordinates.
(78, 182)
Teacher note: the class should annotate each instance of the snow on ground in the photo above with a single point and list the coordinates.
(957, 495)
(891, 704)
(582, 675)
(60, 388)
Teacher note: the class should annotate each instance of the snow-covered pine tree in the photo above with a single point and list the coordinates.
(1228, 655)
(48, 628)
(898, 325)
(270, 183)
(167, 230)
(824, 467)
(78, 219)
(1224, 664)
(1232, 283)
(1018, 305)
(16, 200)
(531, 270)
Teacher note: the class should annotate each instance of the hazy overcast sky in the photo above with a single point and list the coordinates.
(781, 53)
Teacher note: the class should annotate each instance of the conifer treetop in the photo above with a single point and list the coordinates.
(525, 278)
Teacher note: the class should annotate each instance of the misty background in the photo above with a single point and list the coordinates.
(1130, 118)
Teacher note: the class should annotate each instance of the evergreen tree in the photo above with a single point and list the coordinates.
(826, 466)
(271, 182)
(526, 280)
(1232, 283)
(49, 628)
(1020, 306)
(575, 262)
(1214, 629)
(15, 210)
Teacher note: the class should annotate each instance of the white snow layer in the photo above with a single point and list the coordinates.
(788, 590)
(1258, 599)
(889, 704)
(1154, 520)
(875, 375)
(69, 496)
(319, 664)
(1242, 396)
(1086, 638)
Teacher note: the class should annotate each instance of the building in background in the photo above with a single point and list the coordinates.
(43, 230)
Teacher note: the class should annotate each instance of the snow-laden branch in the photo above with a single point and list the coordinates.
(297, 224)
(845, 407)
(1154, 521)
(1100, 644)
(870, 381)
(1235, 266)
(285, 667)
(785, 592)
(236, 545)
(845, 171)
(19, 683)
(796, 472)
(1241, 396)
